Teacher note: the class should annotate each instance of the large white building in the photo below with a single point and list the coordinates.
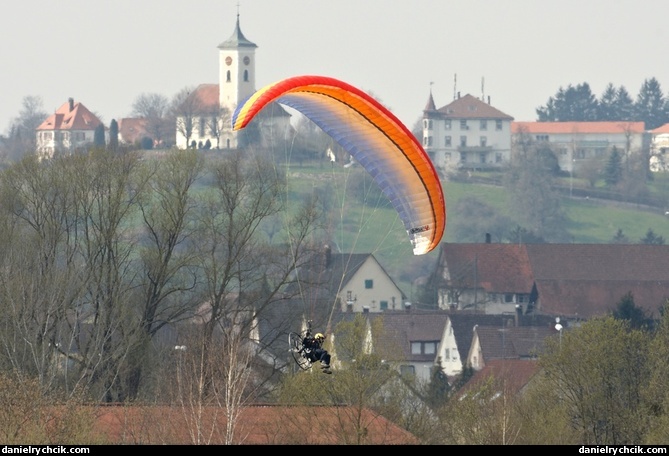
(71, 127)
(466, 134)
(206, 113)
(577, 142)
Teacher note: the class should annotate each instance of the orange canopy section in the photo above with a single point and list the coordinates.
(377, 140)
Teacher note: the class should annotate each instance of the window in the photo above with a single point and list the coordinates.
(508, 297)
(484, 125)
(542, 137)
(448, 124)
(428, 124)
(498, 125)
(383, 305)
(484, 141)
(447, 141)
(246, 75)
(463, 125)
(227, 76)
(369, 284)
(407, 370)
(424, 348)
(482, 157)
(447, 353)
(498, 157)
(463, 141)
(429, 140)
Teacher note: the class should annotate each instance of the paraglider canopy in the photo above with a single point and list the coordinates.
(377, 140)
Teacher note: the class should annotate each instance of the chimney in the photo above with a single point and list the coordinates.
(365, 309)
(487, 238)
(407, 306)
(519, 312)
(71, 101)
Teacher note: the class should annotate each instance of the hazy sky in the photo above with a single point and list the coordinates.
(517, 52)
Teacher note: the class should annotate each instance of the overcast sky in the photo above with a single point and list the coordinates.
(517, 52)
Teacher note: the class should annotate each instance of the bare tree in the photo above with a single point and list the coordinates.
(184, 109)
(154, 108)
(22, 132)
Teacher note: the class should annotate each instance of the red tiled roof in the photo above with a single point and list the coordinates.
(661, 129)
(71, 116)
(578, 280)
(511, 374)
(206, 96)
(470, 107)
(500, 268)
(255, 425)
(568, 128)
(131, 129)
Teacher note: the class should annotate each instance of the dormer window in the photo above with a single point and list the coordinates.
(424, 347)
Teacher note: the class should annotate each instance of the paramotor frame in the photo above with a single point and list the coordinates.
(297, 349)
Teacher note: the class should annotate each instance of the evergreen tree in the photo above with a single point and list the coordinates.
(620, 238)
(438, 388)
(651, 238)
(614, 168)
(650, 105)
(624, 105)
(113, 135)
(606, 108)
(626, 309)
(99, 136)
(576, 104)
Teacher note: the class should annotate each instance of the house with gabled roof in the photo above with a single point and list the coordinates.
(572, 281)
(72, 126)
(511, 342)
(468, 133)
(460, 332)
(576, 143)
(484, 277)
(348, 282)
(414, 337)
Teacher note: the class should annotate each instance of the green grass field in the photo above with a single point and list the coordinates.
(376, 228)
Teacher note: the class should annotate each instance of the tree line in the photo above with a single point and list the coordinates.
(577, 103)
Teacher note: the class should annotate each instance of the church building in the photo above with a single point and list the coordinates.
(204, 118)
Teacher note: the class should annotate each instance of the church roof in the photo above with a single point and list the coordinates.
(237, 39)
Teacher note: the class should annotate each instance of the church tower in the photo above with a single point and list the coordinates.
(237, 69)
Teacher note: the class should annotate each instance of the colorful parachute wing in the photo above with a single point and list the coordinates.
(377, 140)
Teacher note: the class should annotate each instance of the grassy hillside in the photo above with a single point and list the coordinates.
(375, 228)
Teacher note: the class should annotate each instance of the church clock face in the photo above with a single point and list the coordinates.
(247, 60)
(228, 60)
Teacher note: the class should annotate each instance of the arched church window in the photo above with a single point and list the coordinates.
(246, 75)
(227, 76)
